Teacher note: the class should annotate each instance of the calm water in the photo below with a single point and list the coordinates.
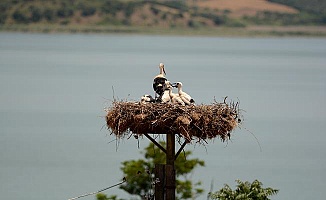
(53, 89)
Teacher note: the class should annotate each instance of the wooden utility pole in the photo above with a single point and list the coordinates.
(159, 172)
(165, 188)
(169, 168)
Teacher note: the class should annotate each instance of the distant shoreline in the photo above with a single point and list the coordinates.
(250, 31)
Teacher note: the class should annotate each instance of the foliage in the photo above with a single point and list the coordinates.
(20, 17)
(88, 11)
(274, 18)
(244, 191)
(140, 178)
(217, 19)
(49, 14)
(311, 11)
(311, 6)
(112, 7)
(36, 13)
(65, 11)
(180, 5)
(101, 196)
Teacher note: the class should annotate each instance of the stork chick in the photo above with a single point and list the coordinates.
(165, 97)
(175, 98)
(147, 99)
(186, 98)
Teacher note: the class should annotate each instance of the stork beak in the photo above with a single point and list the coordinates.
(164, 71)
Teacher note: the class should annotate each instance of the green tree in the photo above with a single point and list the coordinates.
(140, 178)
(244, 191)
(101, 196)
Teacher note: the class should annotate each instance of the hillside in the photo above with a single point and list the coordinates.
(160, 14)
(240, 8)
(317, 7)
(107, 12)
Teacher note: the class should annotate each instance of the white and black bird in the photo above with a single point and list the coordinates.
(159, 81)
(186, 98)
(165, 97)
(175, 98)
(147, 99)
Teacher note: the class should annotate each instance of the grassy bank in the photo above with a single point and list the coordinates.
(250, 31)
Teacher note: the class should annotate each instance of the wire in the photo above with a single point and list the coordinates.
(92, 193)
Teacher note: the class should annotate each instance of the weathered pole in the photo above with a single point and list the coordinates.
(169, 168)
(159, 172)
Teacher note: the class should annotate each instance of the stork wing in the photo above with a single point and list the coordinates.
(185, 100)
(179, 100)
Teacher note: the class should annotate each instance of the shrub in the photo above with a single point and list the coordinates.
(112, 7)
(36, 14)
(3, 18)
(154, 10)
(180, 5)
(244, 191)
(87, 11)
(65, 12)
(129, 9)
(191, 24)
(275, 18)
(49, 14)
(20, 17)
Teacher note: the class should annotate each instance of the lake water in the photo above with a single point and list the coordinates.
(53, 88)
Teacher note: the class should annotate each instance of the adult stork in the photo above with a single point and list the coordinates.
(159, 81)
(186, 98)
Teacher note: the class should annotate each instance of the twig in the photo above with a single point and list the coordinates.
(113, 93)
(92, 193)
(261, 150)
(112, 141)
(225, 99)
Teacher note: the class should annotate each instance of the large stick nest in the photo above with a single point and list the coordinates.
(191, 122)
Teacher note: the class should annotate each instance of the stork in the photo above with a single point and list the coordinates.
(186, 98)
(147, 99)
(175, 98)
(165, 97)
(159, 81)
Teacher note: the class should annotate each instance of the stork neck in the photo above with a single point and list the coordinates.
(161, 71)
(179, 90)
(170, 91)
